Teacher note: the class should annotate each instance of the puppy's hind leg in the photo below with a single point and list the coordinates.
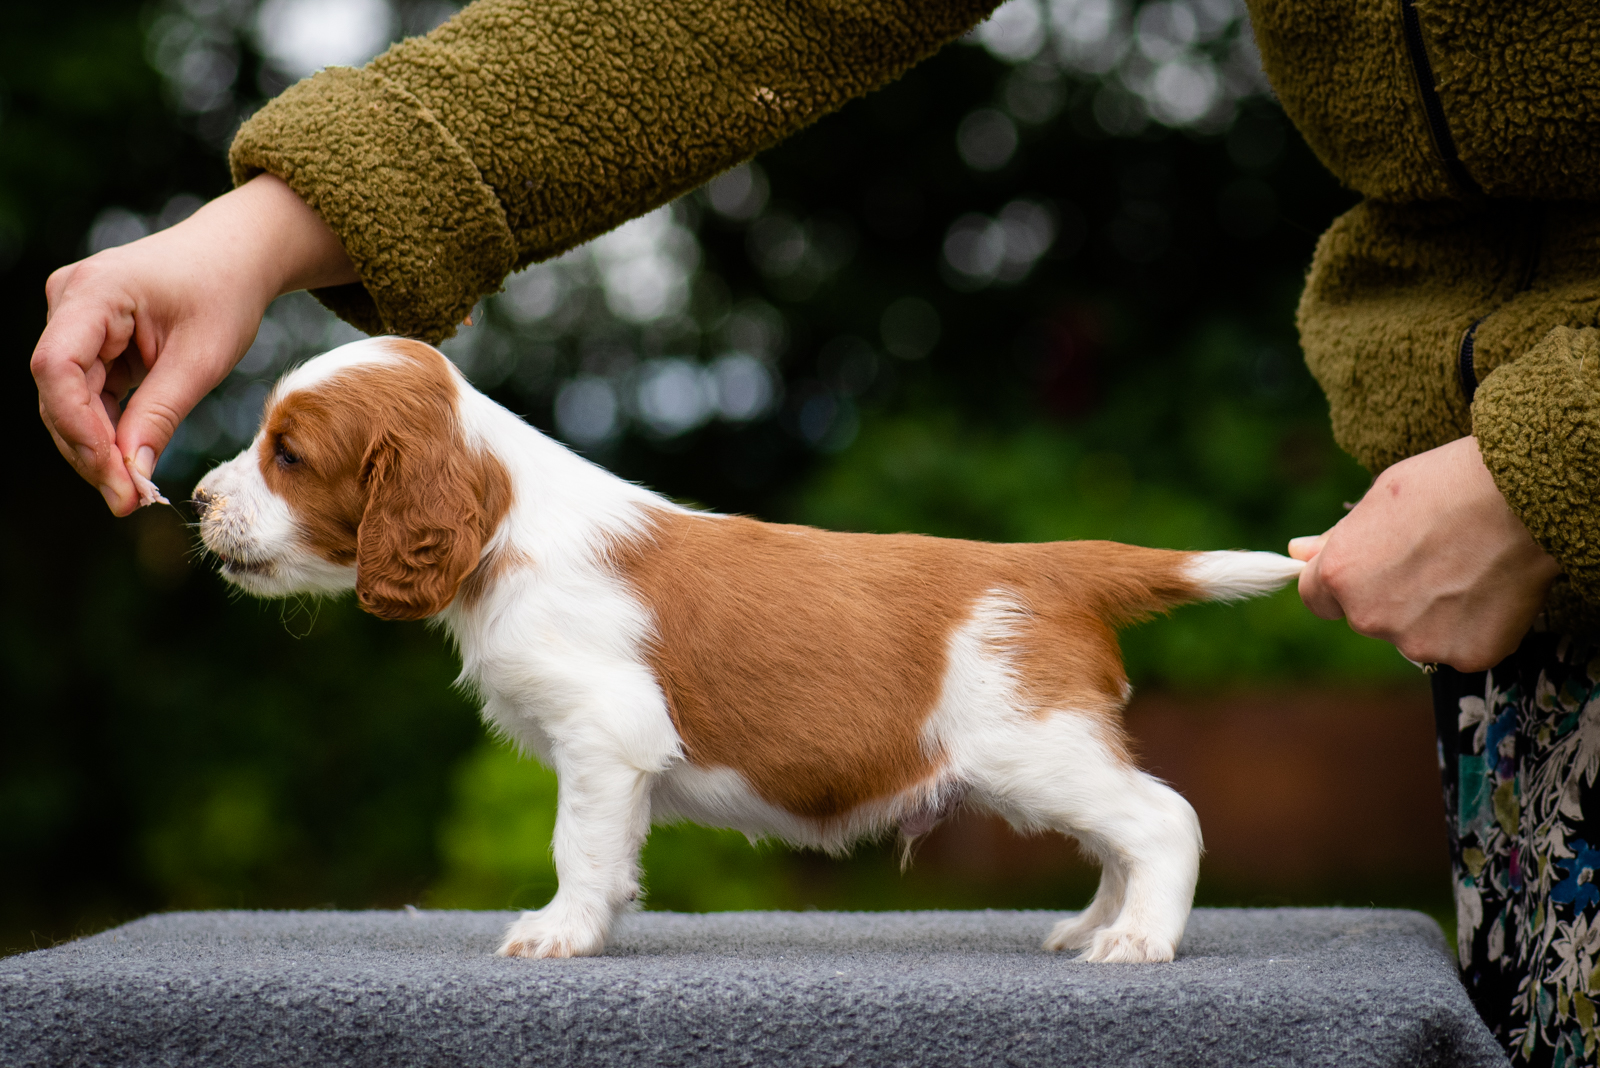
(1156, 838)
(1059, 772)
(1077, 933)
(602, 818)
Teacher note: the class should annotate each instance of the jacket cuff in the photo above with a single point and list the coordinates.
(1537, 421)
(426, 234)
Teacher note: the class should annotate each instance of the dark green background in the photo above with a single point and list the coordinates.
(166, 744)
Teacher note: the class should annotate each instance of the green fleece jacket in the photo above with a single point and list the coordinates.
(521, 128)
(1460, 297)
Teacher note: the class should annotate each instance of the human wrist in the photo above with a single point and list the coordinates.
(287, 245)
(1523, 557)
(1535, 420)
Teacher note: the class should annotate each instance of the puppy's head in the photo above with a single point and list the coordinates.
(360, 477)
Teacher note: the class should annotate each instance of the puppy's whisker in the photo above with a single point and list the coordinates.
(308, 606)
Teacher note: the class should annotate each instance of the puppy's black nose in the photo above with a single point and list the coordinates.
(200, 501)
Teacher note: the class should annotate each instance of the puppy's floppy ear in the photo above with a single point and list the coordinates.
(422, 531)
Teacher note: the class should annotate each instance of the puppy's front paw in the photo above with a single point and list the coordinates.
(1111, 946)
(554, 932)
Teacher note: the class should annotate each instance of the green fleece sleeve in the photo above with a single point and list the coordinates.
(1537, 421)
(521, 128)
(1391, 291)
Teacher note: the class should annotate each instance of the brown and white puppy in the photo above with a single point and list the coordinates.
(669, 664)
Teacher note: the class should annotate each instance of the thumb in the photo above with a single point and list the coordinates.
(1314, 591)
(1306, 548)
(182, 374)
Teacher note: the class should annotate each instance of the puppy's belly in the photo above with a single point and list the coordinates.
(720, 797)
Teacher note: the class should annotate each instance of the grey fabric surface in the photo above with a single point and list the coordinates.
(1250, 987)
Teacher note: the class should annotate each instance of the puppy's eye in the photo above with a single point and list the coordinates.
(286, 455)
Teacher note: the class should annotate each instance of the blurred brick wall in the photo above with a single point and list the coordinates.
(1303, 795)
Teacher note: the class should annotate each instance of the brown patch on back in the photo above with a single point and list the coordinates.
(808, 661)
(1068, 656)
(385, 481)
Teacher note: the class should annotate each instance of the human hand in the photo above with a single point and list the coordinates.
(1432, 560)
(171, 313)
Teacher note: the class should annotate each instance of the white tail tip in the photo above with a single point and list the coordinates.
(1233, 576)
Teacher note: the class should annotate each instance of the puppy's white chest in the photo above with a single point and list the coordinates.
(561, 667)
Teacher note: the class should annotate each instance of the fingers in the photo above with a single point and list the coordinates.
(1307, 547)
(68, 370)
(1464, 649)
(56, 285)
(1316, 593)
(1314, 590)
(1399, 569)
(191, 364)
(192, 297)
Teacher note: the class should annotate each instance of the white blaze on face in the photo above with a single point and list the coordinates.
(252, 530)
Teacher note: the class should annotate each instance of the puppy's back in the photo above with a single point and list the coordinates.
(809, 661)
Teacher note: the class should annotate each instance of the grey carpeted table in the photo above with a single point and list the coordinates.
(1269, 987)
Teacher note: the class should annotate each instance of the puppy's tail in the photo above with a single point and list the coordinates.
(1127, 582)
(1234, 576)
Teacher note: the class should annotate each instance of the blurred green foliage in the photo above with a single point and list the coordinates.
(1206, 458)
(494, 847)
(163, 744)
(494, 854)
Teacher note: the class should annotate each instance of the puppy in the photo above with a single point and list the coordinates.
(671, 664)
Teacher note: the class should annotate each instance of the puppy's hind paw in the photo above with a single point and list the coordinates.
(539, 935)
(1075, 933)
(1111, 946)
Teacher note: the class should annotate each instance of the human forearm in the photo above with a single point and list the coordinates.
(292, 247)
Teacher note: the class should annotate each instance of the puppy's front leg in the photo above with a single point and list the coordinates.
(602, 817)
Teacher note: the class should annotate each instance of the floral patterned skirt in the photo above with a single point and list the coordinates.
(1519, 749)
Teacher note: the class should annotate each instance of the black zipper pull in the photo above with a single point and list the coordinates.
(1464, 367)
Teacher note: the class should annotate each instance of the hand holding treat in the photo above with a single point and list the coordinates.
(149, 492)
(171, 314)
